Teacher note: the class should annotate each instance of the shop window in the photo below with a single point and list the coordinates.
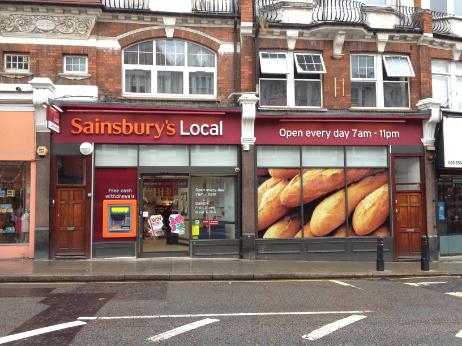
(213, 207)
(164, 155)
(76, 64)
(321, 197)
(378, 82)
(447, 83)
(169, 68)
(16, 62)
(14, 202)
(450, 205)
(363, 156)
(407, 174)
(286, 156)
(214, 155)
(71, 170)
(116, 155)
(291, 79)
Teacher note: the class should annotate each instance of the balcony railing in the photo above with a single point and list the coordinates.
(267, 11)
(216, 6)
(343, 11)
(410, 18)
(441, 24)
(126, 4)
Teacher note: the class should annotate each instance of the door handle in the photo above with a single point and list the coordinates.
(71, 228)
(410, 230)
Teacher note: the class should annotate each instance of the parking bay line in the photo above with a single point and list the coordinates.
(455, 294)
(341, 283)
(39, 331)
(332, 327)
(425, 283)
(182, 329)
(459, 335)
(238, 314)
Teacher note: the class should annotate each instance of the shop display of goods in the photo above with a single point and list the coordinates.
(329, 196)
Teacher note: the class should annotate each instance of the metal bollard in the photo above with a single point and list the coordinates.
(425, 253)
(380, 263)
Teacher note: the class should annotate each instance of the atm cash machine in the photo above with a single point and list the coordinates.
(119, 218)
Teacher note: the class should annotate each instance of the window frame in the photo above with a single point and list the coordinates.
(388, 67)
(16, 70)
(75, 56)
(300, 69)
(290, 79)
(185, 69)
(270, 71)
(450, 8)
(453, 76)
(380, 81)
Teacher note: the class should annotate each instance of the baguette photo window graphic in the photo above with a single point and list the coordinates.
(333, 202)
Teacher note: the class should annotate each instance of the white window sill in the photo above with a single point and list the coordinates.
(15, 74)
(170, 97)
(74, 76)
(384, 109)
(285, 108)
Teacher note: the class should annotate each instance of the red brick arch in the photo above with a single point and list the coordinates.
(182, 34)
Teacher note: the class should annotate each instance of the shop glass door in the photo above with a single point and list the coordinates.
(213, 207)
(165, 223)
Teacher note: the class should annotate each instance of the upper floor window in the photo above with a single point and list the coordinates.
(447, 83)
(77, 64)
(380, 81)
(16, 63)
(447, 6)
(169, 68)
(291, 79)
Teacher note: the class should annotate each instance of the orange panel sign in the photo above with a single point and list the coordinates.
(119, 218)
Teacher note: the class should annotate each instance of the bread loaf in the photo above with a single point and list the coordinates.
(284, 173)
(286, 227)
(270, 208)
(330, 213)
(372, 211)
(319, 182)
(267, 184)
(339, 232)
(382, 231)
(306, 232)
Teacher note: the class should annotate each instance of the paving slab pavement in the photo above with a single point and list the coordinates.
(131, 269)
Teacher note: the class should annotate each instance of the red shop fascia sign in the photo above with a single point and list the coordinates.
(141, 125)
(326, 130)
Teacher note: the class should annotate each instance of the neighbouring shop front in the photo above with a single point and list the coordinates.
(158, 182)
(17, 184)
(449, 184)
(329, 186)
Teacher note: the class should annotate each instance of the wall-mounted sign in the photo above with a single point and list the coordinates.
(53, 116)
(452, 128)
(86, 148)
(42, 151)
(149, 128)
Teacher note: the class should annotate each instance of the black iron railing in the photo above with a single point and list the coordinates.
(441, 24)
(266, 11)
(216, 6)
(126, 4)
(345, 11)
(410, 18)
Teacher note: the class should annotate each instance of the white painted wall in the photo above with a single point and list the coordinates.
(76, 92)
(183, 6)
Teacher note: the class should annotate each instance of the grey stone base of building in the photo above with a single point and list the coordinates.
(42, 243)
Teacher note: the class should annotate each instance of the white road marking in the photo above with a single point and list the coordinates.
(182, 329)
(39, 331)
(425, 283)
(455, 294)
(338, 282)
(459, 335)
(332, 327)
(239, 314)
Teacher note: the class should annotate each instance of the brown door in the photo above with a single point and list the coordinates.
(69, 223)
(409, 223)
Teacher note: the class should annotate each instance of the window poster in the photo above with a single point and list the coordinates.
(323, 202)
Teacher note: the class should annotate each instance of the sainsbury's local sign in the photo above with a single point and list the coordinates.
(150, 129)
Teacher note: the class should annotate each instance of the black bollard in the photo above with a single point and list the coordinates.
(380, 263)
(425, 254)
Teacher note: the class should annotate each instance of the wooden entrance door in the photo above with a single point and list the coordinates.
(69, 222)
(409, 223)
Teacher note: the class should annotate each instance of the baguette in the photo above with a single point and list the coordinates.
(283, 173)
(267, 184)
(270, 208)
(382, 231)
(286, 227)
(319, 182)
(339, 232)
(306, 232)
(330, 213)
(372, 211)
